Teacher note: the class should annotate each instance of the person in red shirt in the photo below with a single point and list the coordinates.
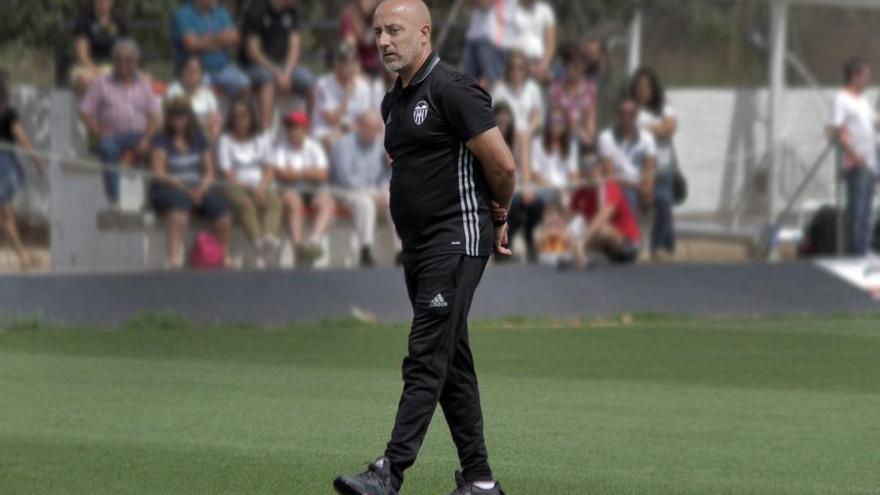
(611, 227)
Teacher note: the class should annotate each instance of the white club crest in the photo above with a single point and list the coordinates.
(421, 112)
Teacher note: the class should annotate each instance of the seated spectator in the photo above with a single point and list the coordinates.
(95, 31)
(356, 29)
(523, 198)
(204, 29)
(577, 96)
(340, 96)
(271, 51)
(536, 36)
(490, 33)
(243, 153)
(12, 133)
(192, 87)
(553, 167)
(553, 238)
(854, 123)
(301, 170)
(183, 167)
(523, 95)
(658, 118)
(121, 113)
(629, 155)
(359, 173)
(606, 222)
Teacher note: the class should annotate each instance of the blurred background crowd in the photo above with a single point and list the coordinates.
(246, 132)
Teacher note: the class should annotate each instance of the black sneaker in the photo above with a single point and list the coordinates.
(465, 488)
(367, 257)
(376, 480)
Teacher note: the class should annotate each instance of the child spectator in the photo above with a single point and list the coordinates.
(553, 238)
(607, 223)
(577, 96)
(271, 51)
(204, 29)
(184, 180)
(202, 100)
(12, 133)
(95, 31)
(356, 29)
(658, 118)
(340, 96)
(243, 153)
(302, 171)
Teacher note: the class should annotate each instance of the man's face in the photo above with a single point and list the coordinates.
(103, 7)
(863, 80)
(125, 63)
(192, 74)
(205, 4)
(592, 51)
(368, 128)
(346, 68)
(285, 4)
(296, 134)
(398, 37)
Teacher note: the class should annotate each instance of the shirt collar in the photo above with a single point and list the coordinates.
(422, 74)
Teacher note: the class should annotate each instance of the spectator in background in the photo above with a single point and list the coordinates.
(122, 113)
(191, 86)
(95, 31)
(360, 173)
(658, 118)
(554, 241)
(629, 156)
(606, 222)
(340, 96)
(205, 29)
(490, 33)
(574, 93)
(380, 86)
(243, 153)
(272, 46)
(183, 165)
(609, 84)
(523, 199)
(536, 36)
(301, 170)
(523, 96)
(12, 133)
(356, 29)
(855, 124)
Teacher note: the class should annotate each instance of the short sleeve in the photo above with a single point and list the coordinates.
(650, 144)
(467, 106)
(548, 18)
(606, 145)
(669, 112)
(838, 111)
(318, 156)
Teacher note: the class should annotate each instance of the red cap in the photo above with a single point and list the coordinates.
(298, 118)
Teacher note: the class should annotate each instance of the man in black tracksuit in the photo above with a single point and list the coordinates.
(452, 180)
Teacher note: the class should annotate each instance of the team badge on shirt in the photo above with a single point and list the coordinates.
(421, 112)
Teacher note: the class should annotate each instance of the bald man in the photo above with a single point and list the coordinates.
(452, 180)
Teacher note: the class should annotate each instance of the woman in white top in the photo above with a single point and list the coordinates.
(302, 171)
(523, 95)
(243, 154)
(192, 86)
(658, 118)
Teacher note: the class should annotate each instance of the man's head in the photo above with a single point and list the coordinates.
(403, 32)
(103, 7)
(368, 125)
(595, 53)
(191, 74)
(627, 113)
(126, 55)
(573, 62)
(296, 126)
(345, 62)
(857, 73)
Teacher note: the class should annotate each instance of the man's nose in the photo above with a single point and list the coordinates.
(383, 41)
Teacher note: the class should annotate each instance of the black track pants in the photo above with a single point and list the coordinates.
(439, 366)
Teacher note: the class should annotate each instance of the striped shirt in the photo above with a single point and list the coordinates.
(120, 107)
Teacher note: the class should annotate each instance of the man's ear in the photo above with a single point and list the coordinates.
(426, 32)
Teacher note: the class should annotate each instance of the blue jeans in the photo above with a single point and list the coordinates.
(663, 229)
(301, 80)
(483, 60)
(860, 196)
(11, 176)
(231, 80)
(635, 205)
(111, 149)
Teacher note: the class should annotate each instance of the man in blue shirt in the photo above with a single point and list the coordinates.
(205, 29)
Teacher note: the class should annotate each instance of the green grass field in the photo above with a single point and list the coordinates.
(786, 406)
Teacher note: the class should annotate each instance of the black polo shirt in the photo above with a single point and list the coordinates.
(273, 27)
(439, 195)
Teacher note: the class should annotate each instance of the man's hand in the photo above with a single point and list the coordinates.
(501, 241)
(499, 213)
